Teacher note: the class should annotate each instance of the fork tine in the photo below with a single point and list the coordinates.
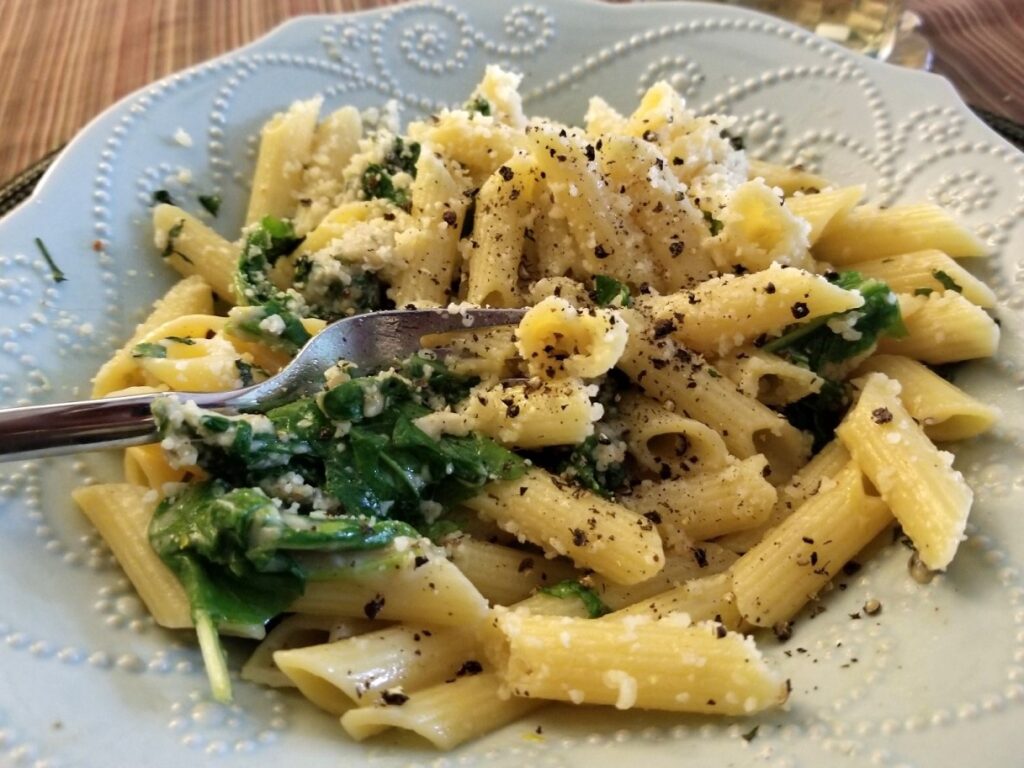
(386, 337)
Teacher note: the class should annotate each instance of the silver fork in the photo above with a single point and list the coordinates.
(369, 341)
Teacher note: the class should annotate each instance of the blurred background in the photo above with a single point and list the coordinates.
(63, 61)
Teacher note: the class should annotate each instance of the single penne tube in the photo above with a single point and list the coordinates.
(496, 248)
(673, 227)
(567, 520)
(768, 377)
(635, 662)
(446, 714)
(476, 142)
(790, 179)
(820, 208)
(430, 249)
(558, 340)
(192, 248)
(944, 410)
(297, 631)
(666, 443)
(147, 465)
(815, 476)
(867, 232)
(338, 221)
(924, 272)
(286, 144)
(608, 242)
(521, 415)
(356, 671)
(670, 373)
(552, 252)
(505, 575)
(798, 557)
(489, 353)
(121, 513)
(942, 328)
(930, 499)
(729, 311)
(708, 505)
(191, 295)
(758, 230)
(707, 598)
(696, 561)
(418, 584)
(335, 140)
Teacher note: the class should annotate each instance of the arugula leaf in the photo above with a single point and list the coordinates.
(380, 463)
(271, 239)
(947, 282)
(335, 296)
(610, 292)
(583, 468)
(246, 322)
(714, 225)
(595, 606)
(147, 349)
(820, 413)
(435, 379)
(815, 345)
(230, 549)
(387, 466)
(211, 203)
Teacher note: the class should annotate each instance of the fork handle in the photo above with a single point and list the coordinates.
(37, 431)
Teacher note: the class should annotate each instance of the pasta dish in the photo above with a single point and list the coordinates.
(726, 385)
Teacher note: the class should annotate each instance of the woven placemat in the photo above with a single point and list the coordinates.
(17, 189)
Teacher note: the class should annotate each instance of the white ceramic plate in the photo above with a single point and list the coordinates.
(85, 677)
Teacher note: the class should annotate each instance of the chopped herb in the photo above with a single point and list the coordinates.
(947, 282)
(924, 291)
(55, 271)
(583, 468)
(820, 413)
(211, 203)
(610, 292)
(478, 104)
(816, 346)
(249, 323)
(377, 180)
(181, 340)
(569, 588)
(149, 350)
(714, 225)
(162, 196)
(172, 235)
(751, 734)
(245, 373)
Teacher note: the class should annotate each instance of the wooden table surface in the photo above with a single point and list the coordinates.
(63, 61)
